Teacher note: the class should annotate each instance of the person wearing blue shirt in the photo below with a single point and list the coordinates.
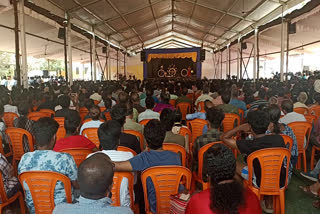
(154, 134)
(236, 102)
(201, 115)
(95, 177)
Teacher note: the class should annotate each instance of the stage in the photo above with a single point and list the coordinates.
(178, 63)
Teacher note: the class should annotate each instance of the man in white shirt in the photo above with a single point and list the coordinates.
(95, 116)
(301, 100)
(96, 96)
(109, 136)
(289, 115)
(148, 113)
(7, 106)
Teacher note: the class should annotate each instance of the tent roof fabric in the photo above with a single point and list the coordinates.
(135, 24)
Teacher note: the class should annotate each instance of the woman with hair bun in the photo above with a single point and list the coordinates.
(226, 195)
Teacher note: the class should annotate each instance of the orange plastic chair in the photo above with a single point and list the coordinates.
(197, 177)
(61, 133)
(126, 149)
(138, 135)
(200, 107)
(190, 96)
(184, 131)
(92, 134)
(78, 154)
(230, 121)
(107, 116)
(302, 131)
(49, 111)
(117, 179)
(102, 108)
(241, 114)
(184, 108)
(287, 140)
(166, 180)
(6, 201)
(196, 127)
(83, 111)
(2, 151)
(15, 136)
(315, 110)
(41, 186)
(36, 115)
(271, 162)
(176, 149)
(144, 122)
(96, 102)
(301, 110)
(172, 102)
(8, 118)
(311, 119)
(248, 106)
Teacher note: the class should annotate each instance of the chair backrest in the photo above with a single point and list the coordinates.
(107, 115)
(78, 154)
(96, 102)
(138, 135)
(230, 121)
(102, 108)
(172, 102)
(41, 185)
(126, 149)
(311, 118)
(241, 114)
(83, 111)
(200, 107)
(184, 131)
(36, 115)
(201, 153)
(180, 150)
(144, 122)
(288, 141)
(302, 131)
(190, 96)
(271, 161)
(117, 179)
(92, 134)
(8, 118)
(15, 136)
(3, 194)
(61, 133)
(184, 108)
(49, 111)
(196, 127)
(315, 110)
(301, 110)
(166, 180)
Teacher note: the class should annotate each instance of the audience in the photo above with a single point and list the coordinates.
(260, 100)
(95, 177)
(226, 194)
(156, 156)
(214, 117)
(301, 100)
(164, 103)
(72, 138)
(183, 98)
(204, 96)
(289, 115)
(44, 159)
(95, 121)
(149, 114)
(226, 107)
(64, 109)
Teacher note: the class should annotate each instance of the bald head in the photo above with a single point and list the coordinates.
(95, 176)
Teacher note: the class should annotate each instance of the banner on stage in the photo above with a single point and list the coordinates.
(192, 55)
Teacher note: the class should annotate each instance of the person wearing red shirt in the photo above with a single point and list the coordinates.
(72, 139)
(226, 195)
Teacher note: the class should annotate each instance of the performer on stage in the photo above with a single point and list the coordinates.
(189, 71)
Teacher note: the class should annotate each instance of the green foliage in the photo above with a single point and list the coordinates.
(6, 64)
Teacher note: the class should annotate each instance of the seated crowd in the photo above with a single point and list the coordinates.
(130, 126)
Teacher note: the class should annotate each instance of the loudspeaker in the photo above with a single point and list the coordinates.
(244, 45)
(143, 56)
(61, 33)
(45, 73)
(202, 55)
(104, 49)
(292, 28)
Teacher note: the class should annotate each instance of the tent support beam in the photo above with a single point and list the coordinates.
(117, 64)
(65, 53)
(288, 47)
(282, 46)
(23, 46)
(94, 57)
(69, 50)
(255, 53)
(16, 37)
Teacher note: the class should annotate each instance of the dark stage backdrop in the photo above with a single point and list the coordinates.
(154, 66)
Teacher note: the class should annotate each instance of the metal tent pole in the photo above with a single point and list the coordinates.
(16, 37)
(69, 50)
(23, 46)
(255, 54)
(94, 57)
(282, 47)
